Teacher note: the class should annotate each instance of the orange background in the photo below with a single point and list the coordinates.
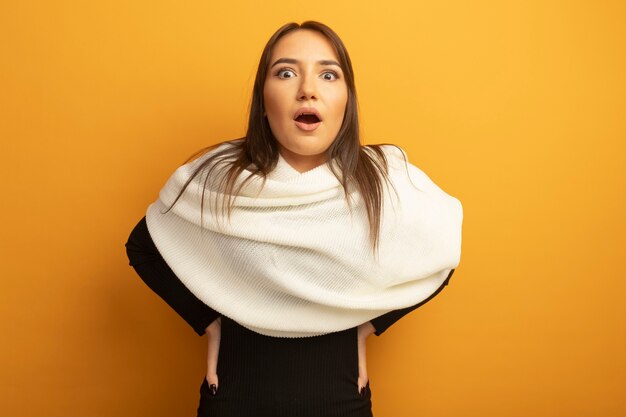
(516, 108)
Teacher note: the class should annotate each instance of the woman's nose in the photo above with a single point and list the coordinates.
(307, 89)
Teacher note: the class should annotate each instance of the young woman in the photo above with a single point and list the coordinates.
(290, 246)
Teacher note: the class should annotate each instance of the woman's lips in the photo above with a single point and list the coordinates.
(307, 127)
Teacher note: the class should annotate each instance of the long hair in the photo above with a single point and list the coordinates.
(258, 151)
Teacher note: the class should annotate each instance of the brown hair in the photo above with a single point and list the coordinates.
(258, 151)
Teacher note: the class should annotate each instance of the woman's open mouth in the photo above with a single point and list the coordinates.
(307, 122)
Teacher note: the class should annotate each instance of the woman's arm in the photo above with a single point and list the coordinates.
(382, 323)
(154, 271)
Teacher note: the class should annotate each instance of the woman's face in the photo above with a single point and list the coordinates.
(304, 76)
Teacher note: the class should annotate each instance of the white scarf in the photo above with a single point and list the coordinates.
(293, 261)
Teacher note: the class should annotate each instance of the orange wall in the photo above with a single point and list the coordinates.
(516, 108)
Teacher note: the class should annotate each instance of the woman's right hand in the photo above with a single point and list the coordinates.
(214, 333)
(363, 332)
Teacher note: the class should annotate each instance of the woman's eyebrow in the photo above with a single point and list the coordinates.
(295, 61)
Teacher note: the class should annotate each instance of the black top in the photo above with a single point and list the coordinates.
(154, 271)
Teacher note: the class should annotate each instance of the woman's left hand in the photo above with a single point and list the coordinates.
(364, 330)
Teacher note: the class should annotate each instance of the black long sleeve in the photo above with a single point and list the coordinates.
(382, 323)
(154, 271)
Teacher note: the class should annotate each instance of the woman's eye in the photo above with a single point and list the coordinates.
(330, 75)
(285, 73)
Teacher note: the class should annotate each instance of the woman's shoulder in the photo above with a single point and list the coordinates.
(201, 162)
(220, 152)
(392, 153)
(401, 167)
(226, 148)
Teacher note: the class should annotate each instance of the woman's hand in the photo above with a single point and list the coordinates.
(214, 333)
(364, 330)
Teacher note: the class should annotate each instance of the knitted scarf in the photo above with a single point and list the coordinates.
(294, 261)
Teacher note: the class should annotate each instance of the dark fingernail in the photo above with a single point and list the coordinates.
(213, 389)
(363, 392)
